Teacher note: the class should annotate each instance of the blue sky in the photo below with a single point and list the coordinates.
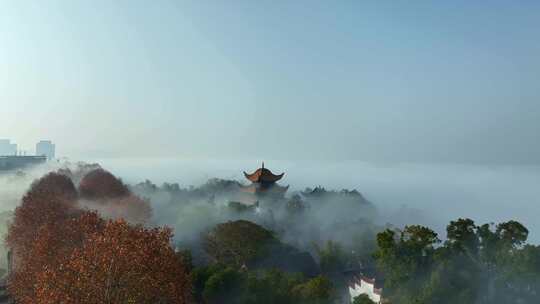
(426, 81)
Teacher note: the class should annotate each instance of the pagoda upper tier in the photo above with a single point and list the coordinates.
(263, 176)
(263, 184)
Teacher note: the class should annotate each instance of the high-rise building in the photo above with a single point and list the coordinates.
(7, 148)
(45, 148)
(18, 162)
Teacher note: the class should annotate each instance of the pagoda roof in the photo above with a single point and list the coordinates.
(263, 175)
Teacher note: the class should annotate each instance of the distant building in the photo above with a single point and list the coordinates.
(7, 148)
(45, 148)
(16, 162)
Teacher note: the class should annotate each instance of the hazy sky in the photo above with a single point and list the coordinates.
(436, 81)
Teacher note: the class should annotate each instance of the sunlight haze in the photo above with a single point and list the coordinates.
(296, 80)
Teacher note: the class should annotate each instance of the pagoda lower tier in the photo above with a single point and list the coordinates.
(272, 189)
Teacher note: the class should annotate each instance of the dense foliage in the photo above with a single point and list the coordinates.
(65, 254)
(100, 184)
(118, 264)
(476, 264)
(87, 244)
(362, 299)
(222, 284)
(238, 243)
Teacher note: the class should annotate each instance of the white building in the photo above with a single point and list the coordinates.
(45, 148)
(7, 148)
(362, 285)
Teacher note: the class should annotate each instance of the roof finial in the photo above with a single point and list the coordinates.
(263, 165)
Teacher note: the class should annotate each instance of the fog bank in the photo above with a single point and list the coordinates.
(430, 194)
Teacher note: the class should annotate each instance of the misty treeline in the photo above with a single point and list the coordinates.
(278, 250)
(485, 263)
(476, 264)
(81, 235)
(304, 219)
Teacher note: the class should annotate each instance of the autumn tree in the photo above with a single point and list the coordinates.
(49, 225)
(41, 231)
(51, 199)
(120, 264)
(76, 171)
(100, 185)
(102, 191)
(131, 208)
(54, 242)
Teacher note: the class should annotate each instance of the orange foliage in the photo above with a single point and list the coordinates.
(54, 242)
(111, 198)
(50, 199)
(63, 254)
(78, 170)
(131, 208)
(121, 264)
(100, 184)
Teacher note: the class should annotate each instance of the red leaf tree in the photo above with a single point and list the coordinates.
(54, 243)
(112, 198)
(101, 185)
(131, 208)
(50, 200)
(47, 225)
(121, 264)
(66, 255)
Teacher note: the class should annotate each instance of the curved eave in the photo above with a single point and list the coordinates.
(263, 176)
(280, 189)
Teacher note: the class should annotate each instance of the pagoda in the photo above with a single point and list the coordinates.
(264, 183)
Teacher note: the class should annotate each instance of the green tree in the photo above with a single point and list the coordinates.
(477, 264)
(524, 274)
(218, 284)
(200, 276)
(332, 257)
(362, 299)
(404, 255)
(512, 234)
(315, 291)
(223, 286)
(295, 205)
(271, 286)
(238, 243)
(462, 235)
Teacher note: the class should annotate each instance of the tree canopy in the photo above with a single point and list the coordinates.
(476, 264)
(65, 254)
(238, 242)
(119, 264)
